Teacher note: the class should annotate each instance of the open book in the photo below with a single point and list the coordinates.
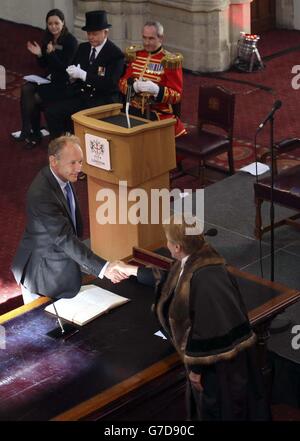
(89, 303)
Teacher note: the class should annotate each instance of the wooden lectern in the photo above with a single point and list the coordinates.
(141, 157)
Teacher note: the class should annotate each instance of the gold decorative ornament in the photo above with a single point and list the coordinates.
(130, 52)
(172, 61)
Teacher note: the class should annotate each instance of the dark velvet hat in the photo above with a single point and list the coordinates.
(95, 21)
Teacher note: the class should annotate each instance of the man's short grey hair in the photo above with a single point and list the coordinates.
(57, 144)
(158, 26)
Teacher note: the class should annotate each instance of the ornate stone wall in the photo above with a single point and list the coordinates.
(33, 12)
(285, 13)
(204, 31)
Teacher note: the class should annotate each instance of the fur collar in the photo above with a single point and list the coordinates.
(174, 311)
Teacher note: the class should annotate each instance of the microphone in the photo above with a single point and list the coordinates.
(211, 232)
(276, 106)
(128, 96)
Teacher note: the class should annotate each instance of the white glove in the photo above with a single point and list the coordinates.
(146, 86)
(136, 86)
(75, 72)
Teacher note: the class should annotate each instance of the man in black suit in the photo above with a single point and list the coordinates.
(50, 254)
(94, 75)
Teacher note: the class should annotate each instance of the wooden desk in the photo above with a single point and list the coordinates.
(114, 368)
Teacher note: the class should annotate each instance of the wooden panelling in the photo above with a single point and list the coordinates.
(263, 15)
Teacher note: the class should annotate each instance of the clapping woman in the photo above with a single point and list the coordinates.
(55, 54)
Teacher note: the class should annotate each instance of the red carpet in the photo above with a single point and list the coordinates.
(19, 166)
(252, 102)
(243, 153)
(274, 41)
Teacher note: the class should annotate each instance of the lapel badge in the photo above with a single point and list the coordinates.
(101, 71)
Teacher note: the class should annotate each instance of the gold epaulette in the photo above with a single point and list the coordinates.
(172, 61)
(130, 52)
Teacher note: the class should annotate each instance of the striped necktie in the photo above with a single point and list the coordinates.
(71, 202)
(93, 56)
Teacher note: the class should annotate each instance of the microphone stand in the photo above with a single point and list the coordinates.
(127, 104)
(272, 196)
(270, 117)
(281, 321)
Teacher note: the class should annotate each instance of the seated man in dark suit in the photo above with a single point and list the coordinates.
(49, 256)
(94, 75)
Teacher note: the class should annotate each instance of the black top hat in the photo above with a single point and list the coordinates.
(95, 21)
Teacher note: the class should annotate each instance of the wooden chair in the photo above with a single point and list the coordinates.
(286, 190)
(215, 110)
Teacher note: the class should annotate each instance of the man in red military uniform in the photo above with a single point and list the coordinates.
(155, 76)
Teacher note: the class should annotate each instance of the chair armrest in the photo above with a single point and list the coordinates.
(286, 145)
(283, 146)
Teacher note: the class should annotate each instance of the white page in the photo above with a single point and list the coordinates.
(161, 335)
(36, 79)
(251, 168)
(89, 303)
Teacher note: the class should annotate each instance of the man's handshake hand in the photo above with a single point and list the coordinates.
(146, 86)
(117, 271)
(75, 72)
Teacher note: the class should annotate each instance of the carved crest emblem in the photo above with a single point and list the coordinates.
(97, 147)
(214, 104)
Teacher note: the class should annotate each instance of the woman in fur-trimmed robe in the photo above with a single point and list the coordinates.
(201, 309)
